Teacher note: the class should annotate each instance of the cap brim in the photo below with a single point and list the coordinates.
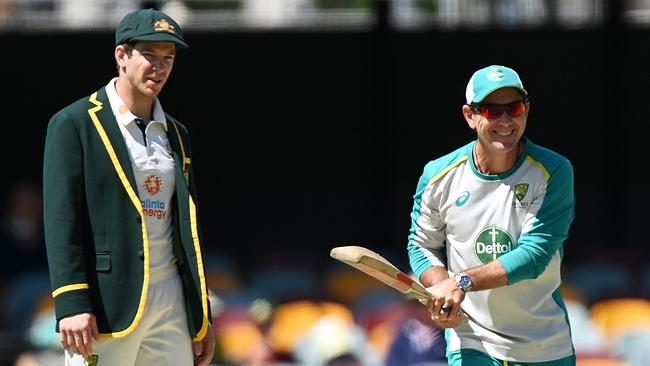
(521, 90)
(161, 37)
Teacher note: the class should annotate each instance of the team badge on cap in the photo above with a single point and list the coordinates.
(163, 25)
(488, 79)
(495, 74)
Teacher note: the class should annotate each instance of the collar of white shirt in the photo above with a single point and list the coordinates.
(123, 114)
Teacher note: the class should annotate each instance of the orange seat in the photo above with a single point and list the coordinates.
(605, 361)
(292, 320)
(618, 316)
(348, 284)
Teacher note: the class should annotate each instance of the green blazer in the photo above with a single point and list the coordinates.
(96, 239)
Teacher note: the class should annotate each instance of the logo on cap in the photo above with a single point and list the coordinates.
(495, 75)
(163, 25)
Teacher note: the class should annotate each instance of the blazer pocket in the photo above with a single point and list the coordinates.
(103, 263)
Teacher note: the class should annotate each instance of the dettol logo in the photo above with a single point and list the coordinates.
(492, 243)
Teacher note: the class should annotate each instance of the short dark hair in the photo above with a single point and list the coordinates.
(128, 48)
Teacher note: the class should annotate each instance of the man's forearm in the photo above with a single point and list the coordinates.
(491, 275)
(433, 276)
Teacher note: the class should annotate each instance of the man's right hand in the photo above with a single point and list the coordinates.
(78, 332)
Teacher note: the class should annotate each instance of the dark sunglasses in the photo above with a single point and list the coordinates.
(494, 110)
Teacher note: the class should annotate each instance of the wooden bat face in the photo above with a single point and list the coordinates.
(380, 268)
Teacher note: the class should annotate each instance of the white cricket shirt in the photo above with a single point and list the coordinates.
(153, 167)
(463, 219)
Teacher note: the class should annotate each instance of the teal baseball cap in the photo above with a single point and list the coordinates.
(149, 25)
(488, 79)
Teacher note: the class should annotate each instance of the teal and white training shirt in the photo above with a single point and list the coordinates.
(463, 219)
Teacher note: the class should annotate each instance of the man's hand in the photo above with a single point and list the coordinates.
(444, 305)
(78, 332)
(204, 349)
(450, 321)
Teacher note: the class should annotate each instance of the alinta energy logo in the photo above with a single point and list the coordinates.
(152, 184)
(153, 207)
(492, 243)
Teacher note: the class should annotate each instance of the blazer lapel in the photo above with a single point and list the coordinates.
(109, 123)
(177, 149)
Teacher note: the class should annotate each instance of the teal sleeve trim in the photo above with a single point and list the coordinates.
(417, 259)
(434, 170)
(537, 247)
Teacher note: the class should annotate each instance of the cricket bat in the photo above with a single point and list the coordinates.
(380, 268)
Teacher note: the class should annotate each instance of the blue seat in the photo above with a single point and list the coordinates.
(284, 284)
(646, 280)
(596, 281)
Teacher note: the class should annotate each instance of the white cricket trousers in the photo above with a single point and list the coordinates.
(161, 338)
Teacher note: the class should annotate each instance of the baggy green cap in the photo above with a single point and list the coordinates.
(488, 79)
(149, 25)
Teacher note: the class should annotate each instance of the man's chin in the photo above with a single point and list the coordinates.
(505, 146)
(152, 92)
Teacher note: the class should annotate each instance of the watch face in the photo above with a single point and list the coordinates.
(465, 282)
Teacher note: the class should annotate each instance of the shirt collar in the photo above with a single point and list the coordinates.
(123, 114)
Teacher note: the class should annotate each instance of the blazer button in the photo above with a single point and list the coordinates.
(141, 255)
(139, 219)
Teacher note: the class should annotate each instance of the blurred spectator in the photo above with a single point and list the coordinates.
(90, 13)
(278, 13)
(39, 358)
(588, 338)
(21, 234)
(22, 6)
(176, 9)
(417, 340)
(24, 12)
(41, 345)
(239, 338)
(6, 9)
(330, 341)
(347, 359)
(23, 266)
(632, 347)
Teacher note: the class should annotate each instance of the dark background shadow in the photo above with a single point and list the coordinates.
(303, 141)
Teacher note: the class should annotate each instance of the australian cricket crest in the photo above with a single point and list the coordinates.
(521, 190)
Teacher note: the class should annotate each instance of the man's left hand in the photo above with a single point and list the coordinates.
(204, 349)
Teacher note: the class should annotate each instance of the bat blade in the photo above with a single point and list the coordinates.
(381, 269)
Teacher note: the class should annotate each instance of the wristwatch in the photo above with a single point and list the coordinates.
(463, 281)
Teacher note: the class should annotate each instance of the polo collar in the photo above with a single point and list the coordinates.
(123, 115)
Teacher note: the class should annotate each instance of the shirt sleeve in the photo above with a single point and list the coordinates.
(426, 241)
(548, 229)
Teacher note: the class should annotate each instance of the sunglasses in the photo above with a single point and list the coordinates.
(494, 110)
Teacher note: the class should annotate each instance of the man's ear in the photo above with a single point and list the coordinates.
(120, 55)
(469, 116)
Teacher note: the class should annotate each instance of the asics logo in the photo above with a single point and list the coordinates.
(462, 199)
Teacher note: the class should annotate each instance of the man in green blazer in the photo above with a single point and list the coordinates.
(121, 222)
